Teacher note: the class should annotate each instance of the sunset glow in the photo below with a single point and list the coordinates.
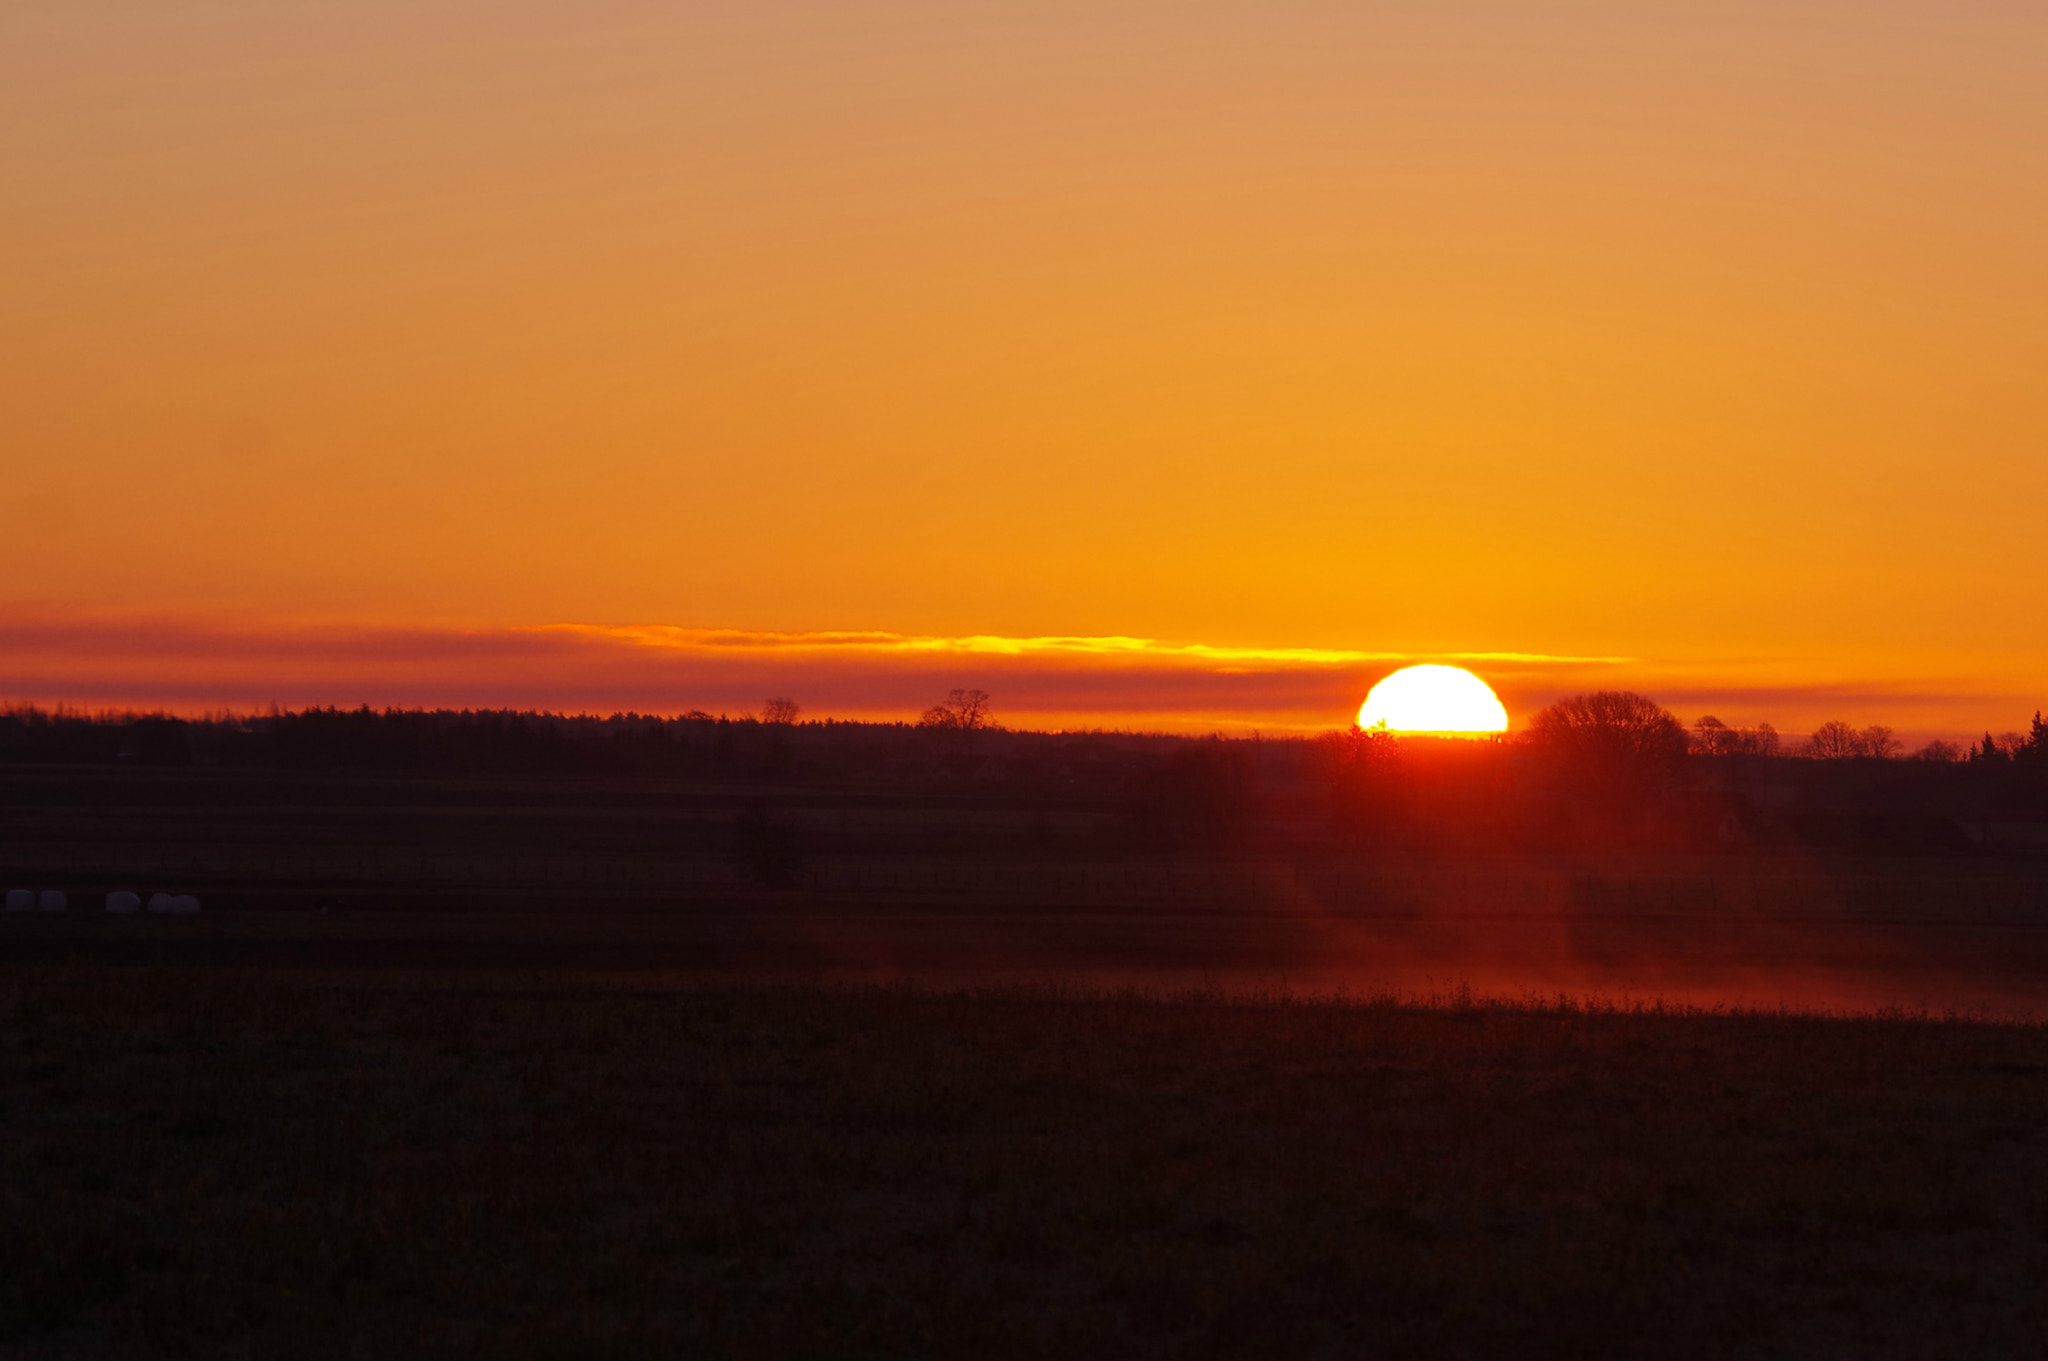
(1035, 330)
(1433, 699)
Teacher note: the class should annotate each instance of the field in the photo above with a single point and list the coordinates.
(536, 1070)
(964, 885)
(234, 1163)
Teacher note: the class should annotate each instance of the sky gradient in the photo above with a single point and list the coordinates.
(1705, 339)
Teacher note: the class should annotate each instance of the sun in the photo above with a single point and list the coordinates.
(1433, 699)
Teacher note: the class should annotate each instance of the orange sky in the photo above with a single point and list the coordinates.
(1701, 337)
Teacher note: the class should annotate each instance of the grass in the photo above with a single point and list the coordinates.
(224, 1162)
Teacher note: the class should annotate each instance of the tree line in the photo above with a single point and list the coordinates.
(948, 740)
(1609, 768)
(1613, 767)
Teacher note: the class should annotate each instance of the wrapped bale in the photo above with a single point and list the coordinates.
(184, 904)
(21, 900)
(52, 900)
(160, 902)
(121, 900)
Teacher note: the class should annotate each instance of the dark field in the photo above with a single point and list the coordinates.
(978, 883)
(552, 1074)
(230, 1162)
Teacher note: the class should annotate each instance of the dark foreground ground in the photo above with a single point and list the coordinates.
(523, 1067)
(247, 1161)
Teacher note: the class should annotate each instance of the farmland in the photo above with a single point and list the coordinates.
(537, 1067)
(968, 885)
(236, 1162)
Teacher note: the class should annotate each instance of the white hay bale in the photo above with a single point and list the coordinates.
(184, 904)
(52, 900)
(121, 900)
(21, 900)
(160, 902)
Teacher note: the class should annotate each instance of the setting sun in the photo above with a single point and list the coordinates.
(1433, 699)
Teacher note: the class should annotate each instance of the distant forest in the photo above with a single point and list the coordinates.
(1593, 771)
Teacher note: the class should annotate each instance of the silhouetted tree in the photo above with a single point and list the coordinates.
(1989, 750)
(1611, 736)
(1939, 750)
(1834, 741)
(1712, 737)
(780, 710)
(964, 711)
(1838, 741)
(2032, 750)
(1616, 758)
